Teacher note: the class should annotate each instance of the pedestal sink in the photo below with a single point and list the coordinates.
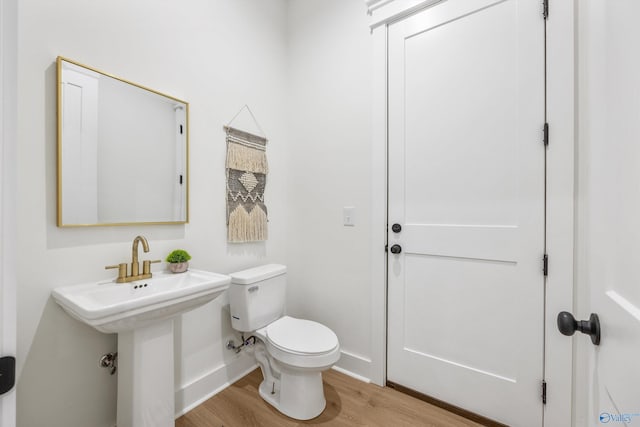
(141, 313)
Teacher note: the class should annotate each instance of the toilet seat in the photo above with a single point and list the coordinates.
(300, 336)
(300, 343)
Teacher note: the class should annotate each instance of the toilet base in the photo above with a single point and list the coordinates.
(297, 394)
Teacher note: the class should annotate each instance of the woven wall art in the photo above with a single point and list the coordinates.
(247, 170)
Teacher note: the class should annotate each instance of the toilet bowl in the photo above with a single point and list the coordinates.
(291, 352)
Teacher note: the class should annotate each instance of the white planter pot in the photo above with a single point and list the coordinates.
(178, 267)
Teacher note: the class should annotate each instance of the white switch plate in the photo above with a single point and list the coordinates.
(348, 216)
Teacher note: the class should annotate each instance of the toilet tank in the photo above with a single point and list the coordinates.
(256, 296)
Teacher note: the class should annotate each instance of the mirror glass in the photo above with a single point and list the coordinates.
(122, 151)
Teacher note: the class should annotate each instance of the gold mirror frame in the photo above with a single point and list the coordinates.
(60, 220)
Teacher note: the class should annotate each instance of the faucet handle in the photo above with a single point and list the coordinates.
(122, 271)
(146, 265)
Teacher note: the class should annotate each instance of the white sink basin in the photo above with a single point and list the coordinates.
(116, 307)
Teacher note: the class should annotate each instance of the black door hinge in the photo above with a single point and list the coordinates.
(545, 265)
(180, 129)
(545, 9)
(180, 179)
(545, 134)
(7, 373)
(386, 248)
(544, 392)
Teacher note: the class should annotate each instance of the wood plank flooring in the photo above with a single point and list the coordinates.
(349, 403)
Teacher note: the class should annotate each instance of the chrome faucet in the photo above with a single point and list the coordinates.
(123, 277)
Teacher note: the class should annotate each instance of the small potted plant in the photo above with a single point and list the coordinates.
(178, 261)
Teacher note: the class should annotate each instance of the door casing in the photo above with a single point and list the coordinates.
(8, 147)
(560, 286)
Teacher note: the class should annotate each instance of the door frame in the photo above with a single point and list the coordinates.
(560, 205)
(8, 146)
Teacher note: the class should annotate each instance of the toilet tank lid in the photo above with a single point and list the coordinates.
(256, 274)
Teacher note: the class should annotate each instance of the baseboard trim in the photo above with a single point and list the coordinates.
(351, 374)
(447, 406)
(355, 366)
(208, 385)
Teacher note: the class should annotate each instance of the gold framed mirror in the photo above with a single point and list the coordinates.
(123, 151)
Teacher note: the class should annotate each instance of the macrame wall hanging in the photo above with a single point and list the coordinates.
(247, 170)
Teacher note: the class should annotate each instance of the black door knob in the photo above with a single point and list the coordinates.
(396, 228)
(396, 249)
(7, 373)
(567, 325)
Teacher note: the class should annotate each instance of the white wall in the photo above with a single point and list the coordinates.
(303, 67)
(329, 160)
(217, 55)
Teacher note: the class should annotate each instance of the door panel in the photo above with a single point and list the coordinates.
(462, 278)
(466, 182)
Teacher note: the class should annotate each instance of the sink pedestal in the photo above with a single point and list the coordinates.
(141, 313)
(146, 396)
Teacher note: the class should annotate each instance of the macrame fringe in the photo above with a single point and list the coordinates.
(247, 226)
(246, 159)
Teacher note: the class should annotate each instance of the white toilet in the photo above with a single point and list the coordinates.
(292, 353)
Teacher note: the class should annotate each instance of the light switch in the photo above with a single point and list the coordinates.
(348, 216)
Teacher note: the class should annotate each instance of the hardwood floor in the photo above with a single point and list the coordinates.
(349, 403)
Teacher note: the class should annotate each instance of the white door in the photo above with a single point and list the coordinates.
(466, 185)
(609, 210)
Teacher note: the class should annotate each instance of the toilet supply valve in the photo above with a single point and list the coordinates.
(110, 360)
(231, 344)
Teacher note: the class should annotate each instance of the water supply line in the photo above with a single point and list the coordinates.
(109, 361)
(231, 345)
